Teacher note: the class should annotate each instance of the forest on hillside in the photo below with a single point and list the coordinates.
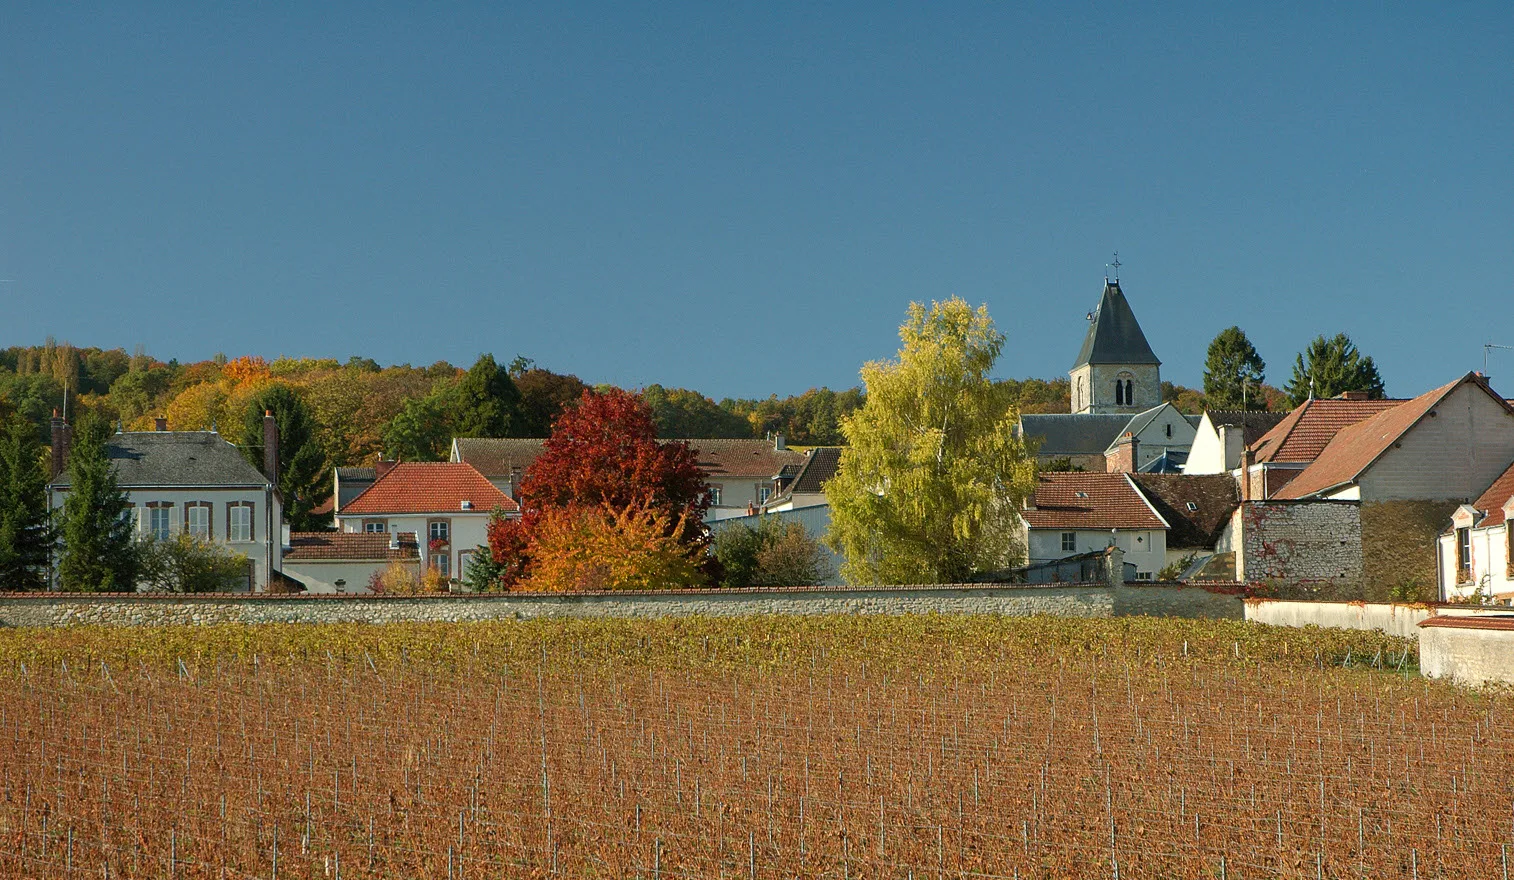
(360, 409)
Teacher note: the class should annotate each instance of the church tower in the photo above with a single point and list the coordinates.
(1116, 372)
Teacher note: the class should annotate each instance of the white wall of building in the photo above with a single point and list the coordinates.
(469, 531)
(264, 550)
(1454, 453)
(321, 575)
(1490, 563)
(1146, 549)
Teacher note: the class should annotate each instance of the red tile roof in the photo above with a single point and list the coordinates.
(1355, 447)
(1304, 433)
(495, 457)
(1089, 501)
(1491, 502)
(359, 546)
(428, 487)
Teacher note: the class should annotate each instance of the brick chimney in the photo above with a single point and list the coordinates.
(160, 424)
(382, 467)
(1245, 474)
(270, 447)
(1122, 458)
(1352, 395)
(62, 436)
(778, 444)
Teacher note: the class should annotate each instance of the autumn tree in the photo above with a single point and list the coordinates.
(1234, 372)
(1331, 366)
(99, 552)
(488, 403)
(604, 455)
(304, 481)
(929, 484)
(26, 523)
(770, 553)
(604, 547)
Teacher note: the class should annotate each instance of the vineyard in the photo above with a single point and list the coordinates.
(842, 747)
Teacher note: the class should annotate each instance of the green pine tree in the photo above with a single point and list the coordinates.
(488, 402)
(304, 479)
(1330, 366)
(26, 524)
(99, 552)
(1234, 372)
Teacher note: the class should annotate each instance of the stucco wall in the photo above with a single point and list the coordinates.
(1468, 652)
(1301, 541)
(1014, 601)
(1397, 620)
(1492, 568)
(1146, 549)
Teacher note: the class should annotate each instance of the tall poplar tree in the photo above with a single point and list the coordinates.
(99, 552)
(26, 524)
(488, 403)
(933, 473)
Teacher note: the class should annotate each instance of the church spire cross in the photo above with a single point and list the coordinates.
(1115, 266)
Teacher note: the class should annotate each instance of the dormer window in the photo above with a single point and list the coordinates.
(1192, 506)
(1081, 494)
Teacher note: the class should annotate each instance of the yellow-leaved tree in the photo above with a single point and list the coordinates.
(933, 472)
(638, 547)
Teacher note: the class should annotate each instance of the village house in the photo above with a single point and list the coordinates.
(802, 486)
(1076, 513)
(446, 504)
(1222, 436)
(1475, 555)
(1373, 497)
(196, 483)
(345, 562)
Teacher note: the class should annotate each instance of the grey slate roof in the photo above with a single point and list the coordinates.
(145, 459)
(1114, 336)
(1073, 434)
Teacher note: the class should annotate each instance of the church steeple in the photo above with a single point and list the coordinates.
(1116, 370)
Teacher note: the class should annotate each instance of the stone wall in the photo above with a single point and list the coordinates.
(1395, 620)
(1398, 548)
(1017, 601)
(1469, 650)
(1302, 542)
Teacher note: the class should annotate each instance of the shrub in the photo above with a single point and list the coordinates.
(771, 554)
(187, 564)
(601, 548)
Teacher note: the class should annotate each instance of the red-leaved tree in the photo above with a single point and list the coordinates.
(604, 454)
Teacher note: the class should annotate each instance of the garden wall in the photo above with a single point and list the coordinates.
(17, 609)
(1470, 650)
(1396, 620)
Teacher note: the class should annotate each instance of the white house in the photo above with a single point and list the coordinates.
(1073, 513)
(447, 504)
(1476, 553)
(1223, 435)
(806, 487)
(194, 482)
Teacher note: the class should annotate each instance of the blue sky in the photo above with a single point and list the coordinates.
(743, 198)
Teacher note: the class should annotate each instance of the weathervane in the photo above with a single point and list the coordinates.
(1115, 266)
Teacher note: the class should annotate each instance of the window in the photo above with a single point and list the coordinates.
(375, 525)
(442, 562)
(764, 492)
(159, 516)
(714, 496)
(197, 519)
(439, 529)
(1192, 506)
(1169, 430)
(239, 521)
(1508, 542)
(464, 559)
(1069, 542)
(1464, 555)
(1143, 575)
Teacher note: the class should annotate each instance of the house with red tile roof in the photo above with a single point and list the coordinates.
(1078, 512)
(1291, 444)
(345, 562)
(447, 504)
(1406, 468)
(1476, 554)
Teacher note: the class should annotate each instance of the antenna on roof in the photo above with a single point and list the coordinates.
(1490, 345)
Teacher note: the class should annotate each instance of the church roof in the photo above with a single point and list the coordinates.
(1114, 336)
